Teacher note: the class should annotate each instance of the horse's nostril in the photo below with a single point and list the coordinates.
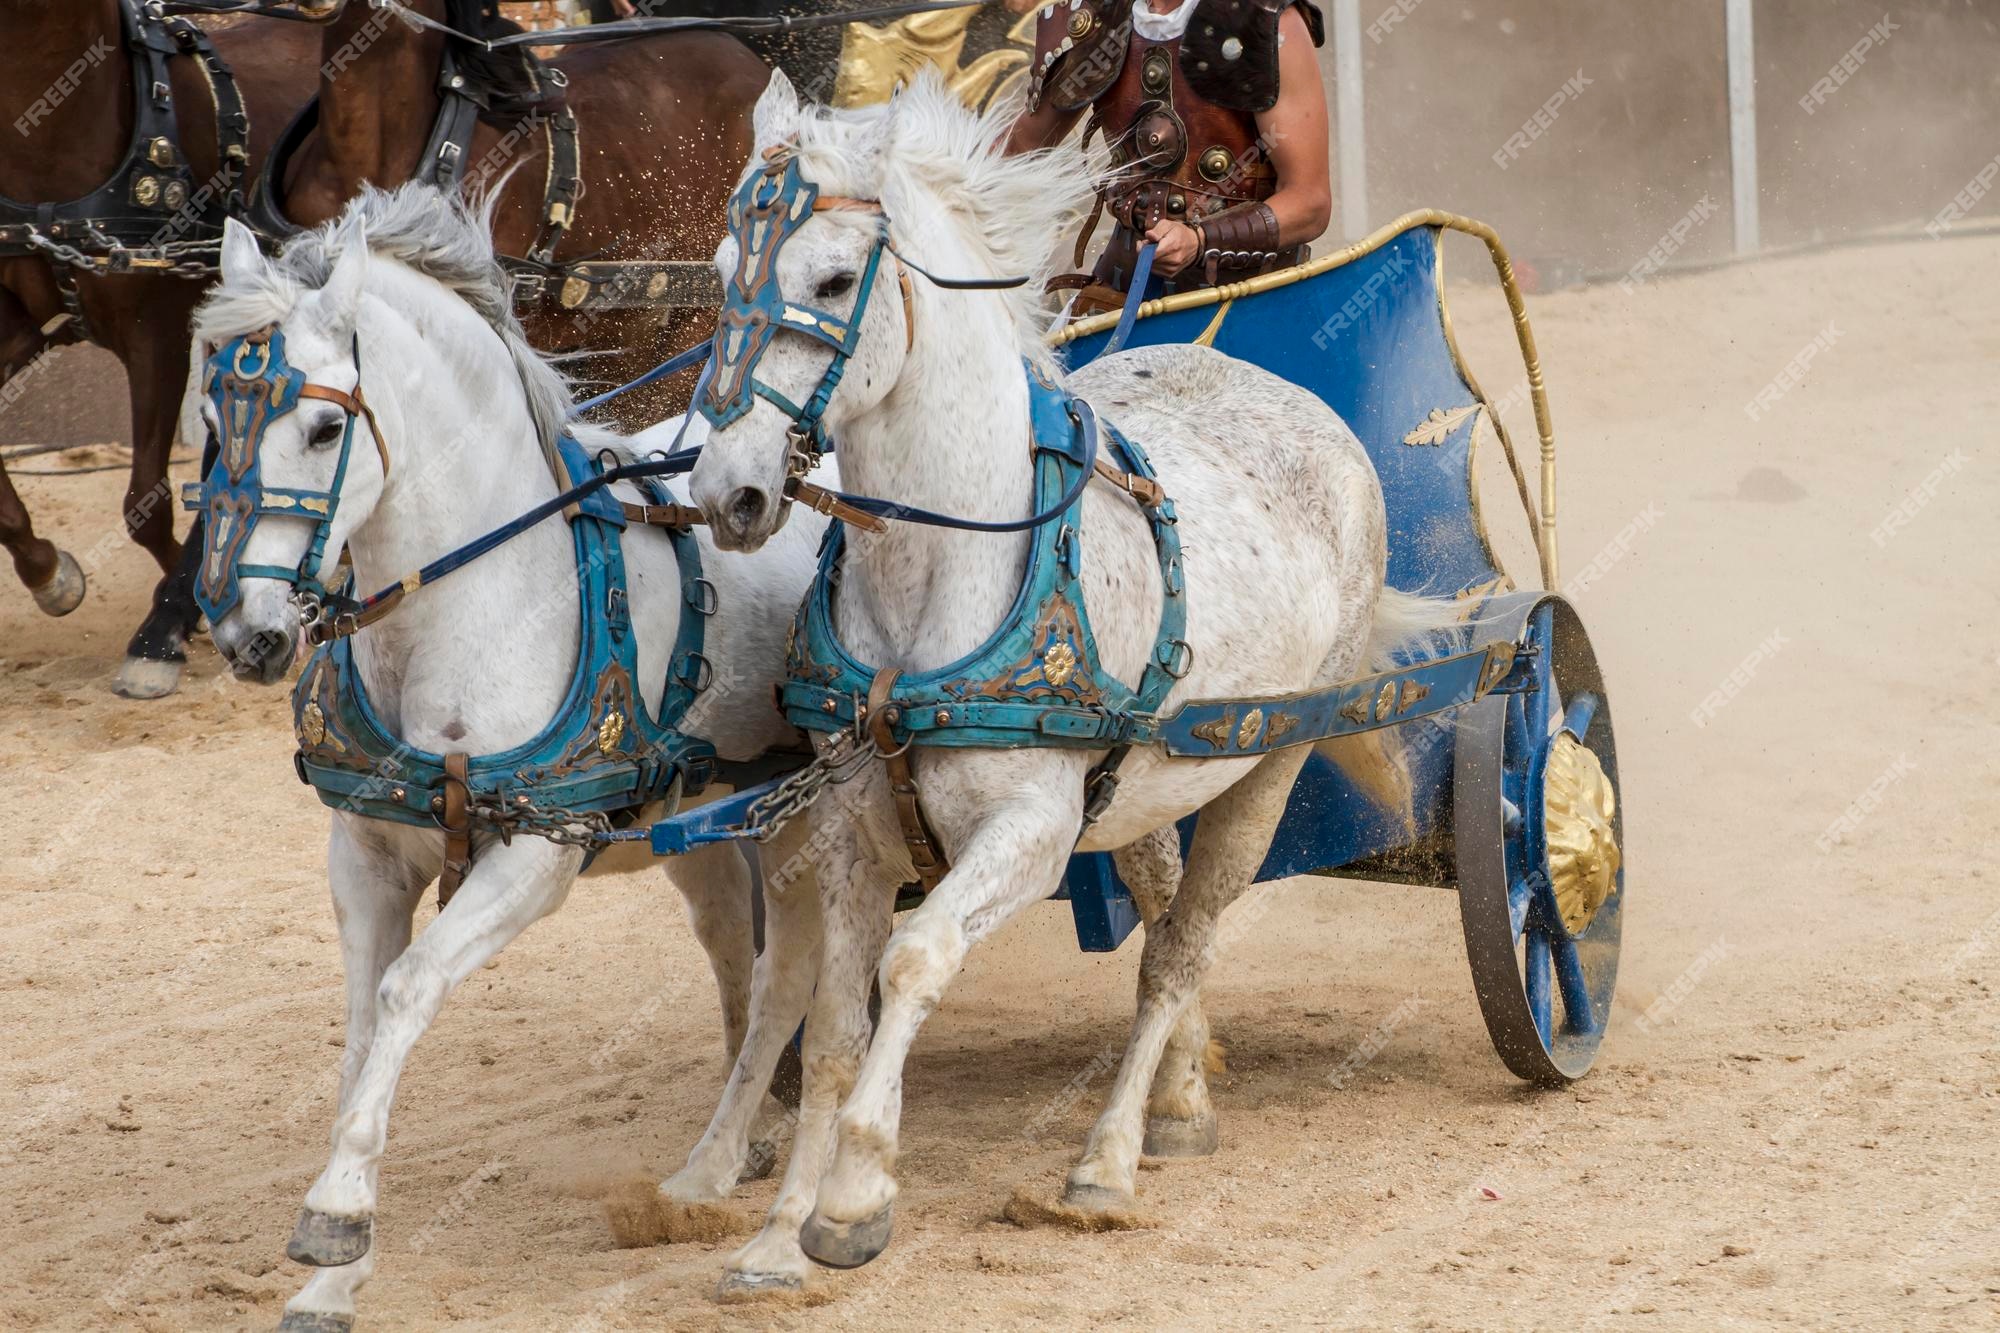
(745, 507)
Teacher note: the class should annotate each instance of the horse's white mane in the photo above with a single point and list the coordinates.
(436, 234)
(1017, 212)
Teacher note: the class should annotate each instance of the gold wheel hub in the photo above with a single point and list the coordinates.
(1578, 804)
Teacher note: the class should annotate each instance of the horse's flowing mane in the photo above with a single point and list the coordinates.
(436, 234)
(926, 148)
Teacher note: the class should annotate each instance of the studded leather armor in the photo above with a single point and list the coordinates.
(1180, 119)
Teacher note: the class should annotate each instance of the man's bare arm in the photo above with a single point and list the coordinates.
(1295, 138)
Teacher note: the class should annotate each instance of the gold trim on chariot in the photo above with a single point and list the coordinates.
(1542, 523)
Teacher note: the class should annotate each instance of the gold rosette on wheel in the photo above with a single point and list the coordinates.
(1577, 807)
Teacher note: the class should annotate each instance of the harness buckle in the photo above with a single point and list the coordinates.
(701, 597)
(696, 672)
(1176, 653)
(1098, 795)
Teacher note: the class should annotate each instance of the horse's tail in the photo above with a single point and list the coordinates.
(1378, 762)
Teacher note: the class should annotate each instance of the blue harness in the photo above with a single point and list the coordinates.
(1038, 680)
(603, 753)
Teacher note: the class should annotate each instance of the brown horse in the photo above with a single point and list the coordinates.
(68, 92)
(663, 126)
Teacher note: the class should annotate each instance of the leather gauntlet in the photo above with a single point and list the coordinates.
(1240, 237)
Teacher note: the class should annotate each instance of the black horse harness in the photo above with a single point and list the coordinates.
(150, 215)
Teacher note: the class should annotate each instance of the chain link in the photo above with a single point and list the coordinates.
(119, 259)
(840, 760)
(569, 828)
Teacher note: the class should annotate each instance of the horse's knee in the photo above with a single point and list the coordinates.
(919, 958)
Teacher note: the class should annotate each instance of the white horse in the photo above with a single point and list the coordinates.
(1281, 516)
(478, 662)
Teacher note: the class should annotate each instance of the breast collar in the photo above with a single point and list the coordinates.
(152, 190)
(603, 751)
(1037, 681)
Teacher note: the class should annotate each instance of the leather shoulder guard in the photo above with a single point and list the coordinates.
(1230, 53)
(1080, 48)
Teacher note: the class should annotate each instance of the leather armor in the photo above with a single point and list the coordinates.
(1180, 119)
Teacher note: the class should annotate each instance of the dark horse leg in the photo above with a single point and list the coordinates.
(52, 575)
(156, 371)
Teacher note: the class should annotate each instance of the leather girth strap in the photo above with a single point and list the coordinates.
(929, 859)
(457, 824)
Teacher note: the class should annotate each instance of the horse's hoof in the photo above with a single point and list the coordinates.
(1098, 1199)
(143, 678)
(315, 1321)
(1172, 1136)
(750, 1286)
(846, 1244)
(763, 1156)
(325, 1241)
(63, 593)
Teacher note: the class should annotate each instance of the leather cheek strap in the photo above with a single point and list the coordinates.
(925, 855)
(355, 406)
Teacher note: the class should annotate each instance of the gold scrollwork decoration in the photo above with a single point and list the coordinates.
(1281, 725)
(876, 60)
(1436, 428)
(1217, 731)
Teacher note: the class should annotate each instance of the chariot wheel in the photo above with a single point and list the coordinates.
(1539, 830)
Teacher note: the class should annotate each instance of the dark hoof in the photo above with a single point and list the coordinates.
(846, 1244)
(1171, 1136)
(1097, 1199)
(763, 1156)
(315, 1321)
(144, 678)
(63, 593)
(749, 1286)
(326, 1241)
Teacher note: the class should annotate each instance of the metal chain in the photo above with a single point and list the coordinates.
(569, 828)
(121, 259)
(840, 760)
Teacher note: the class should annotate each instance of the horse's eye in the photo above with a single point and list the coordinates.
(840, 284)
(326, 433)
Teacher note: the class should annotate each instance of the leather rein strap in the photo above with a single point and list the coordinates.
(929, 859)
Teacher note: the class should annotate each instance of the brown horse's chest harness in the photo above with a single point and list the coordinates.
(149, 215)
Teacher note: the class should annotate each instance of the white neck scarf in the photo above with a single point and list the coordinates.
(1161, 27)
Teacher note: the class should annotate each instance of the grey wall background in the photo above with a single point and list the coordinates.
(1639, 148)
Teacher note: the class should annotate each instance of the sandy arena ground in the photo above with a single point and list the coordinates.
(1796, 1119)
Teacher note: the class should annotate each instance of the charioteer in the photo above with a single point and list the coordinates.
(1216, 119)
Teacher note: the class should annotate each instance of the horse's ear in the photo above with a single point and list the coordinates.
(777, 115)
(340, 299)
(242, 261)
